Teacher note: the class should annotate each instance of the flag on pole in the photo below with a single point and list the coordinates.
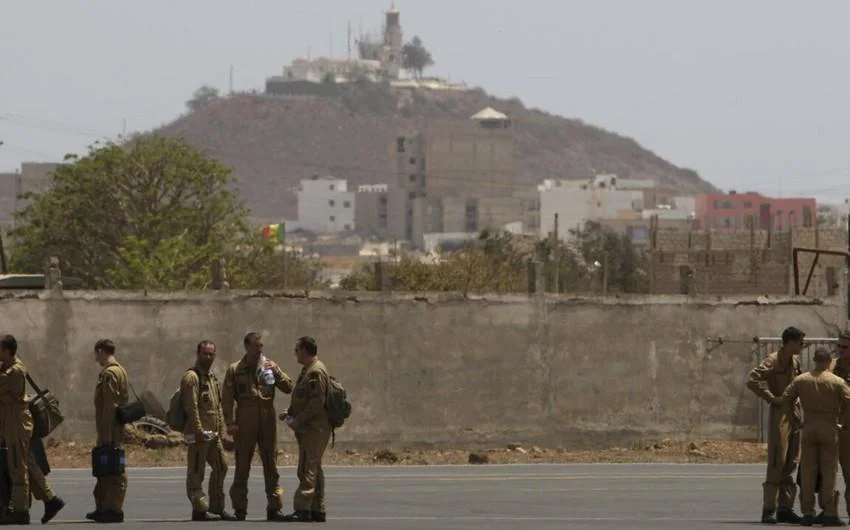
(275, 232)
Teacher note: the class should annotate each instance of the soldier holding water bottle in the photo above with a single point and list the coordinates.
(204, 432)
(250, 384)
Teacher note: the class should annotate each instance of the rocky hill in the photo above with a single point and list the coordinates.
(274, 141)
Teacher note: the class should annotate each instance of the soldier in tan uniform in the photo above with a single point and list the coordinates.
(112, 391)
(38, 486)
(42, 491)
(250, 384)
(768, 380)
(841, 368)
(15, 429)
(308, 417)
(825, 398)
(201, 397)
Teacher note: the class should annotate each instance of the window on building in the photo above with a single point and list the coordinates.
(333, 218)
(400, 145)
(383, 200)
(331, 187)
(331, 202)
(807, 216)
(346, 204)
(346, 227)
(412, 161)
(412, 178)
(748, 205)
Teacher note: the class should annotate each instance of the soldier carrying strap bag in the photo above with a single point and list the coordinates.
(44, 408)
(132, 411)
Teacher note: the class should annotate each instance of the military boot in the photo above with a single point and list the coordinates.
(787, 515)
(299, 516)
(109, 516)
(831, 520)
(202, 516)
(15, 518)
(51, 508)
(807, 520)
(768, 517)
(319, 517)
(241, 515)
(92, 516)
(227, 516)
(275, 515)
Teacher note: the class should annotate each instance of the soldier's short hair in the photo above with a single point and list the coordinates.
(308, 344)
(105, 346)
(10, 344)
(251, 337)
(822, 355)
(203, 343)
(792, 334)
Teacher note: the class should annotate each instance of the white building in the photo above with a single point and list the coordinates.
(379, 58)
(577, 202)
(325, 205)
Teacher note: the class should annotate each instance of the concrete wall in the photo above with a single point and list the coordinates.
(440, 371)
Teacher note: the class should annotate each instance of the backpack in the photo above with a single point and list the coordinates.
(176, 416)
(337, 405)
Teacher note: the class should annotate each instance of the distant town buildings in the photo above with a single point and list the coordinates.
(730, 211)
(455, 176)
(325, 205)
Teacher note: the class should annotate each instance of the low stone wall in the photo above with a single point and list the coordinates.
(440, 370)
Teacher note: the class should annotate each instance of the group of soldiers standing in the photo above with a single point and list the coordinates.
(237, 415)
(809, 414)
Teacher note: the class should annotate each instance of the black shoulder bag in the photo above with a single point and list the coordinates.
(44, 408)
(132, 411)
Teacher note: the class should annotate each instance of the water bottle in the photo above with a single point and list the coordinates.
(268, 373)
(208, 436)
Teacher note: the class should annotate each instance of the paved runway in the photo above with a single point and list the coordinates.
(492, 497)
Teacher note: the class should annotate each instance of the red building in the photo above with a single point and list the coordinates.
(729, 211)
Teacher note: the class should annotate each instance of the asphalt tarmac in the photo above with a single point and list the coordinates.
(492, 497)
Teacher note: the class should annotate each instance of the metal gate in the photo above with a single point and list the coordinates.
(764, 346)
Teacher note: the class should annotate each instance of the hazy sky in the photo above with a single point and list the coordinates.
(752, 94)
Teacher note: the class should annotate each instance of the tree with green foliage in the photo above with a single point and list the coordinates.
(415, 57)
(202, 97)
(152, 213)
(496, 262)
(627, 265)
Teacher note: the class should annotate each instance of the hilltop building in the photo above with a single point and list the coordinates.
(377, 60)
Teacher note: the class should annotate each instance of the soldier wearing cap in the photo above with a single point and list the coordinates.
(825, 398)
(768, 381)
(841, 368)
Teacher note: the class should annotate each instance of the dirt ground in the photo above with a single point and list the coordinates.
(77, 455)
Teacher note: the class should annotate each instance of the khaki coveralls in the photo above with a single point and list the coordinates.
(824, 397)
(312, 431)
(768, 380)
(202, 403)
(15, 431)
(245, 386)
(112, 391)
(844, 436)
